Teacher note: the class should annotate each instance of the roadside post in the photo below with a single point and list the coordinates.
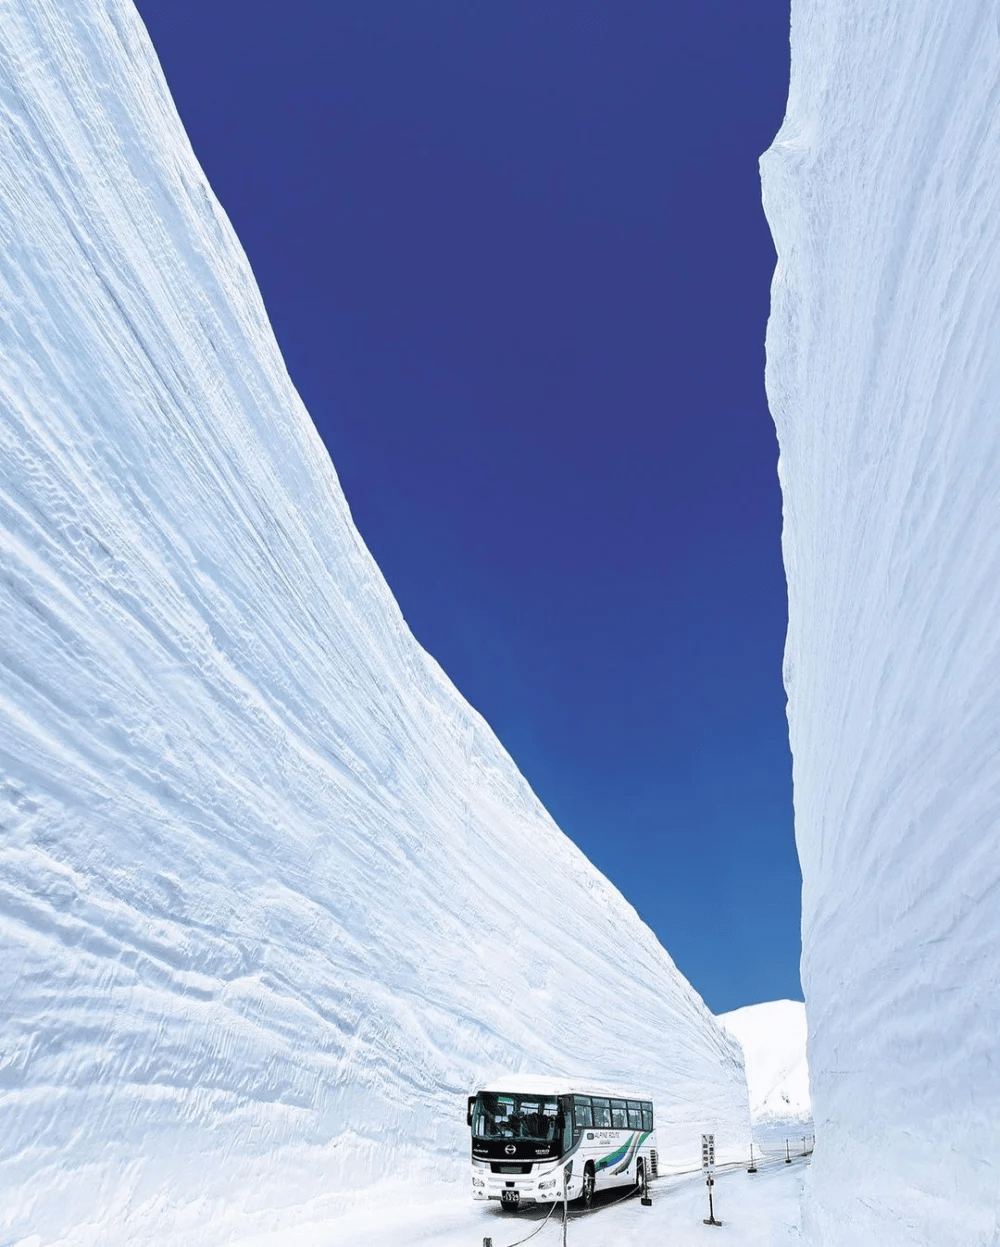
(788, 1155)
(708, 1165)
(753, 1167)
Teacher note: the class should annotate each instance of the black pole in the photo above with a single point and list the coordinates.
(753, 1167)
(710, 1219)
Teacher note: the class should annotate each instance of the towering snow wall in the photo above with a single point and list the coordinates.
(272, 895)
(883, 192)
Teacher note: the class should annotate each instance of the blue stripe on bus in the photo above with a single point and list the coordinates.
(637, 1142)
(614, 1157)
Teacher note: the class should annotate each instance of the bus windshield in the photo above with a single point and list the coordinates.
(501, 1116)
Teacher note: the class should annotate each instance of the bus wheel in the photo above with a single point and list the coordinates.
(589, 1181)
(640, 1177)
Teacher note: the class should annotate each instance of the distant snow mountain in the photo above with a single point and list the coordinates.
(273, 897)
(773, 1039)
(883, 373)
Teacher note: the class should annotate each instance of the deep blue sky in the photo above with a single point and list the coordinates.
(514, 254)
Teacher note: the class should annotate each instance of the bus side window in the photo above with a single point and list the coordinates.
(582, 1112)
(619, 1115)
(602, 1114)
(647, 1117)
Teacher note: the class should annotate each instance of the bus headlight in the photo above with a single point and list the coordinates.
(478, 1182)
(544, 1186)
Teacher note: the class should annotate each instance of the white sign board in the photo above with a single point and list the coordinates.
(708, 1151)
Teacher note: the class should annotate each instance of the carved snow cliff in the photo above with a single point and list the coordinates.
(883, 193)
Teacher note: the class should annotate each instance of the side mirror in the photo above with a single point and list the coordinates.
(468, 1114)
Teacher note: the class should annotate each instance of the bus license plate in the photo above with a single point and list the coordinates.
(510, 1199)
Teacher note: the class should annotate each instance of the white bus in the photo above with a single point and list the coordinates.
(527, 1132)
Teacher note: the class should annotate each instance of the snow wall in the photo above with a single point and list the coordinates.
(884, 381)
(272, 895)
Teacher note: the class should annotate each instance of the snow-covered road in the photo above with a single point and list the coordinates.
(756, 1211)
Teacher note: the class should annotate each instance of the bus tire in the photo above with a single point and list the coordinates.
(640, 1177)
(589, 1182)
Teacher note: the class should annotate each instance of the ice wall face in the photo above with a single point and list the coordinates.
(272, 896)
(884, 379)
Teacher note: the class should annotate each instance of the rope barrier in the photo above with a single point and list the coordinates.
(766, 1158)
(555, 1205)
(630, 1193)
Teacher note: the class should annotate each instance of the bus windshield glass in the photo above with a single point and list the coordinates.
(501, 1116)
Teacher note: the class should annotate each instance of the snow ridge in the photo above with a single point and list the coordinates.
(272, 895)
(773, 1038)
(883, 375)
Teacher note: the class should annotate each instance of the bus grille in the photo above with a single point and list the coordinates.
(510, 1168)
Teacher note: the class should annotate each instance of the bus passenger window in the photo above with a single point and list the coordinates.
(582, 1113)
(602, 1113)
(619, 1115)
(634, 1115)
(647, 1117)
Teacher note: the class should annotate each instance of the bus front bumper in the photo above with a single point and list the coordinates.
(541, 1188)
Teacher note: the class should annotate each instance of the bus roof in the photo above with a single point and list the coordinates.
(538, 1084)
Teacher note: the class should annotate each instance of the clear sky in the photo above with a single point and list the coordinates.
(514, 254)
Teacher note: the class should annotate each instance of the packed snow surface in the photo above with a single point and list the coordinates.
(272, 895)
(756, 1210)
(883, 193)
(773, 1038)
